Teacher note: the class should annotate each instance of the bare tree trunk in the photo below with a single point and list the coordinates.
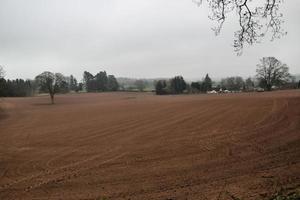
(52, 98)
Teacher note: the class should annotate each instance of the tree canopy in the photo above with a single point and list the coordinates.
(177, 85)
(112, 83)
(204, 86)
(234, 83)
(271, 72)
(101, 82)
(16, 88)
(160, 87)
(51, 83)
(73, 84)
(249, 84)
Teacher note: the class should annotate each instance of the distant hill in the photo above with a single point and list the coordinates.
(297, 76)
(129, 83)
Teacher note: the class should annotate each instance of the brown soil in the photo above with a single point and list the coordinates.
(142, 146)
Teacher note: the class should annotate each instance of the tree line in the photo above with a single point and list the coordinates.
(16, 88)
(53, 83)
(178, 85)
(270, 74)
(101, 82)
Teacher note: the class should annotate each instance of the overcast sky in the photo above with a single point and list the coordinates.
(131, 38)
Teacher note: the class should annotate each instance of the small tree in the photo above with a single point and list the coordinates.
(51, 83)
(271, 72)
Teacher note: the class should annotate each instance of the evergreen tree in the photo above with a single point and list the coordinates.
(101, 81)
(73, 83)
(177, 84)
(196, 86)
(160, 87)
(88, 80)
(207, 84)
(16, 88)
(112, 83)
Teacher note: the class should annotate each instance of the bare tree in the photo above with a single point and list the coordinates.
(51, 83)
(255, 19)
(234, 83)
(2, 72)
(249, 84)
(271, 72)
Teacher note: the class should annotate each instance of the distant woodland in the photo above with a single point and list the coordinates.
(271, 74)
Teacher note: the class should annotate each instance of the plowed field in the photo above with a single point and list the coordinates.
(142, 146)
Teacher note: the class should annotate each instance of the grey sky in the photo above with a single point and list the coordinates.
(131, 38)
